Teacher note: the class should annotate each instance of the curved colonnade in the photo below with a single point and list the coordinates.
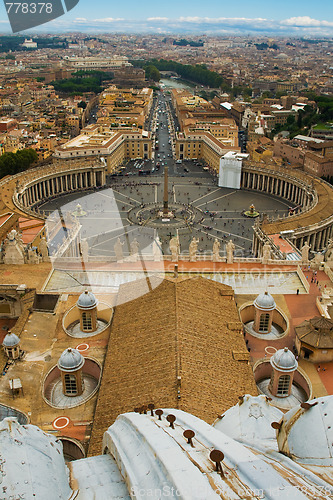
(312, 221)
(281, 183)
(313, 197)
(41, 184)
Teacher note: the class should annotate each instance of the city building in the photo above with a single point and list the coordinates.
(89, 63)
(112, 144)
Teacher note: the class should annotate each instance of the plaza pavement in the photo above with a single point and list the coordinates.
(221, 210)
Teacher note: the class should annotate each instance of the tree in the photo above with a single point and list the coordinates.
(290, 120)
(300, 118)
(152, 73)
(82, 81)
(12, 163)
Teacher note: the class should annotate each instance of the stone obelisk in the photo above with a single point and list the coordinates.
(165, 195)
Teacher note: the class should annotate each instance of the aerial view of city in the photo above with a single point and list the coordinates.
(166, 251)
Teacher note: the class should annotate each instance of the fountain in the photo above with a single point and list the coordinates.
(79, 212)
(252, 212)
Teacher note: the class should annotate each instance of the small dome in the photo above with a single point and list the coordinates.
(10, 340)
(70, 360)
(250, 421)
(87, 300)
(33, 464)
(265, 301)
(284, 360)
(305, 434)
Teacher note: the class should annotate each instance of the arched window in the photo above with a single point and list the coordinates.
(283, 385)
(70, 384)
(86, 321)
(264, 322)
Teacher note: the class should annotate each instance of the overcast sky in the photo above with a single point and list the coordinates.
(296, 17)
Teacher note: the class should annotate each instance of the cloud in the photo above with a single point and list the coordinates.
(222, 20)
(166, 19)
(306, 21)
(196, 25)
(108, 20)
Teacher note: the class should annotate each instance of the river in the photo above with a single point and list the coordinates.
(171, 83)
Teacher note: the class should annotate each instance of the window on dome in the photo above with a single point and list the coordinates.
(264, 322)
(86, 322)
(70, 384)
(283, 385)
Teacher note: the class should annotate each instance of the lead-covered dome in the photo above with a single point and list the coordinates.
(250, 421)
(32, 463)
(87, 300)
(306, 432)
(265, 301)
(70, 360)
(284, 360)
(10, 340)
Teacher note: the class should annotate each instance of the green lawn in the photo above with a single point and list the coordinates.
(323, 126)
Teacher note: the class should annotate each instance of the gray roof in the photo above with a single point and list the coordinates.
(32, 463)
(284, 360)
(8, 411)
(265, 301)
(87, 300)
(70, 360)
(144, 454)
(10, 340)
(249, 421)
(306, 432)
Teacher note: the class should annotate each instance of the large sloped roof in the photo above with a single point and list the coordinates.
(181, 345)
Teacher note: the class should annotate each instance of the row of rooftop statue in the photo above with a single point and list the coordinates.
(14, 251)
(174, 247)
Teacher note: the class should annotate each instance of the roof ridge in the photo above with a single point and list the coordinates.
(178, 353)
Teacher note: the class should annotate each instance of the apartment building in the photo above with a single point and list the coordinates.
(99, 141)
(125, 107)
(315, 156)
(289, 152)
(205, 132)
(318, 165)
